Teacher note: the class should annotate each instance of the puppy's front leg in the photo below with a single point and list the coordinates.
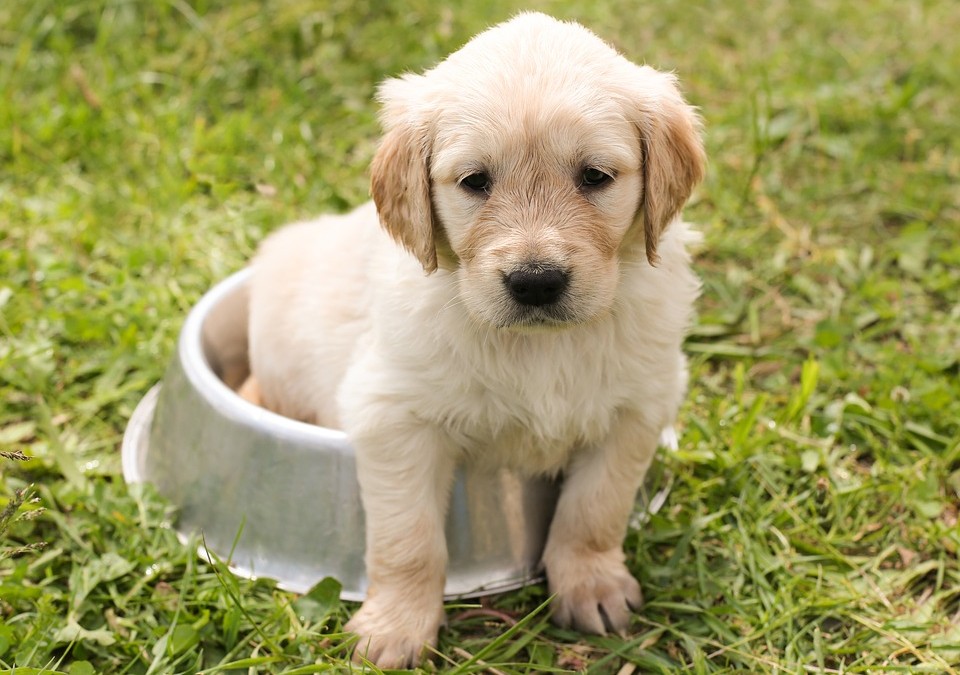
(584, 554)
(405, 469)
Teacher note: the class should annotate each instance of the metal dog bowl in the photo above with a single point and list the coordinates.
(280, 498)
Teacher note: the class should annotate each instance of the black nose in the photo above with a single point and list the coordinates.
(537, 287)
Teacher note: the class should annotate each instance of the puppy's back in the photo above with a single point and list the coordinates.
(308, 310)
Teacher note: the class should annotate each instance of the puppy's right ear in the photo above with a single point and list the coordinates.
(400, 173)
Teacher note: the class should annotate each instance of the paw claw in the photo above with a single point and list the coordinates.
(595, 596)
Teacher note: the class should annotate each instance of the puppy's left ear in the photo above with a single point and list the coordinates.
(400, 174)
(673, 156)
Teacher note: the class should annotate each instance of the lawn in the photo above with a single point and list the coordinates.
(811, 520)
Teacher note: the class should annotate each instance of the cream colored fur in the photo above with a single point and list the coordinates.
(401, 330)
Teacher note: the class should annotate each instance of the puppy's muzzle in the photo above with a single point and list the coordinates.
(537, 287)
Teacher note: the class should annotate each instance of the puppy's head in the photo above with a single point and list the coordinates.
(532, 162)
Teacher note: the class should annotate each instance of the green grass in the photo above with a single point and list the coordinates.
(811, 525)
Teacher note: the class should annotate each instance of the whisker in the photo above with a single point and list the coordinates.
(450, 304)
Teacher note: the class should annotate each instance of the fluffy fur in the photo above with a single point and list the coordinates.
(534, 148)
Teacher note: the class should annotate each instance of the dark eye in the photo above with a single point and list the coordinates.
(478, 182)
(592, 177)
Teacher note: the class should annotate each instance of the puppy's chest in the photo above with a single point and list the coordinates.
(531, 410)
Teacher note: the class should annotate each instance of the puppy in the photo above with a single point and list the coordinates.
(516, 294)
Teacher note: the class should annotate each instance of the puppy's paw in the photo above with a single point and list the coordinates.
(595, 593)
(392, 633)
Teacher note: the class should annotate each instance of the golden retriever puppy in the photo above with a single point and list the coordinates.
(516, 294)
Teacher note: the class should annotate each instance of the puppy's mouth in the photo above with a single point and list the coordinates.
(549, 318)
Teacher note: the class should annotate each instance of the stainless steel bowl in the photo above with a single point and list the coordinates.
(283, 495)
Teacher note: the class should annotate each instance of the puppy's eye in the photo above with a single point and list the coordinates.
(477, 182)
(592, 177)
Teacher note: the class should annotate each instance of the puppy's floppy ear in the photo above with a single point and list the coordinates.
(400, 174)
(673, 156)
